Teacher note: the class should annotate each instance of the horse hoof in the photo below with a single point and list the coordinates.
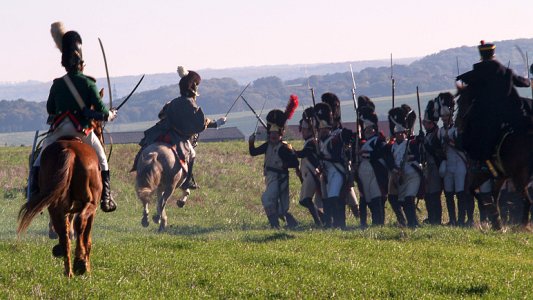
(144, 221)
(180, 203)
(156, 219)
(52, 235)
(80, 266)
(58, 251)
(162, 228)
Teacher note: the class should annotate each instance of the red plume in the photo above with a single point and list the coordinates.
(291, 106)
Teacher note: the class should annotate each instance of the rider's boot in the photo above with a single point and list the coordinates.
(34, 183)
(190, 183)
(107, 204)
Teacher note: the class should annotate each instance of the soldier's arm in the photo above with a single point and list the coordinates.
(520, 81)
(50, 104)
(287, 155)
(257, 151)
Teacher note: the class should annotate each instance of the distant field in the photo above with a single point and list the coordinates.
(220, 246)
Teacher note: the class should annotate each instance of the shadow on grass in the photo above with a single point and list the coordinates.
(266, 238)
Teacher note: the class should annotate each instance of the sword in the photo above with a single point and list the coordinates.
(128, 97)
(260, 113)
(107, 74)
(238, 98)
(32, 159)
(258, 117)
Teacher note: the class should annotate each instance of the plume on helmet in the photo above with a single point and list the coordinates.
(57, 30)
(291, 106)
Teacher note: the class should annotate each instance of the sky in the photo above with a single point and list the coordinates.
(146, 37)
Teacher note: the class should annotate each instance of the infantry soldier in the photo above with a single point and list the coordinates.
(373, 171)
(279, 157)
(453, 169)
(434, 157)
(69, 106)
(407, 171)
(496, 107)
(349, 198)
(310, 166)
(181, 120)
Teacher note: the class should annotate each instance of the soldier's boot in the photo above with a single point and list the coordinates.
(189, 182)
(34, 183)
(308, 203)
(450, 205)
(410, 212)
(329, 210)
(107, 204)
(273, 220)
(395, 205)
(376, 208)
(469, 209)
(339, 217)
(436, 209)
(363, 213)
(291, 221)
(461, 209)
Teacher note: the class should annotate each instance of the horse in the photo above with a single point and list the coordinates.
(514, 159)
(71, 187)
(159, 173)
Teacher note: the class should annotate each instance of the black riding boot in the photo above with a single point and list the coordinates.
(395, 205)
(410, 211)
(107, 204)
(376, 208)
(461, 208)
(469, 209)
(190, 183)
(329, 211)
(34, 183)
(339, 218)
(308, 203)
(363, 213)
(434, 208)
(450, 204)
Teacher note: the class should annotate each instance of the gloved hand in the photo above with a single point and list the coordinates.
(112, 114)
(251, 139)
(221, 121)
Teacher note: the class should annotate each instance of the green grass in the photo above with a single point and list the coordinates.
(220, 246)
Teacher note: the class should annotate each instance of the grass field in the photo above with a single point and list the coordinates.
(220, 246)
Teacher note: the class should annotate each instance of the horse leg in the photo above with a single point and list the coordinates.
(162, 211)
(51, 232)
(81, 262)
(146, 211)
(61, 224)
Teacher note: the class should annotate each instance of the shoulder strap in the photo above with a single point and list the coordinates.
(74, 91)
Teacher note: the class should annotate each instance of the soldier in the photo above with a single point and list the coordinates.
(310, 167)
(69, 106)
(350, 198)
(181, 120)
(408, 172)
(372, 171)
(279, 157)
(434, 157)
(453, 169)
(497, 108)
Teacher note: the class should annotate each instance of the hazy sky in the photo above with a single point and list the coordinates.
(156, 36)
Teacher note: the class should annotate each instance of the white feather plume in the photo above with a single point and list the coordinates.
(182, 71)
(57, 30)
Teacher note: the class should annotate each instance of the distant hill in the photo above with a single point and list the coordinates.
(435, 72)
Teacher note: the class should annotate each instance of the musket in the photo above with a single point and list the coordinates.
(420, 132)
(260, 113)
(107, 75)
(312, 91)
(457, 64)
(393, 81)
(32, 159)
(525, 59)
(131, 93)
(237, 98)
(256, 115)
(356, 108)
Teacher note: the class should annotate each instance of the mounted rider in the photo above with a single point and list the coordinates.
(496, 107)
(73, 102)
(181, 120)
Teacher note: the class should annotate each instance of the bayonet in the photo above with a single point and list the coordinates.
(393, 81)
(260, 113)
(107, 75)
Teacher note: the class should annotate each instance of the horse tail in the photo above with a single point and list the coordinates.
(55, 190)
(149, 177)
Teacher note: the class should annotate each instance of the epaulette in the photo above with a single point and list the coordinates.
(287, 145)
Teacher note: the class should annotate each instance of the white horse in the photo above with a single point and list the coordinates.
(159, 173)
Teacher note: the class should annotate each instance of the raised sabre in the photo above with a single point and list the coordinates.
(107, 75)
(257, 116)
(237, 98)
(260, 113)
(131, 93)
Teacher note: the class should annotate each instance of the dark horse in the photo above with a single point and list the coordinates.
(514, 158)
(71, 187)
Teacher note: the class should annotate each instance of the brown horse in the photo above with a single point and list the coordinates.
(514, 158)
(159, 173)
(71, 187)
